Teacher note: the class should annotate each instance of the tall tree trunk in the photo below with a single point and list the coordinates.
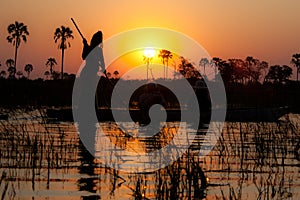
(167, 69)
(147, 69)
(16, 53)
(51, 70)
(62, 62)
(174, 72)
(165, 72)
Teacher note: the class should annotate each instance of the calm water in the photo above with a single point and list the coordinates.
(42, 159)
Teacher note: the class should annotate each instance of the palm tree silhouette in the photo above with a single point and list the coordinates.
(3, 74)
(62, 35)
(55, 75)
(51, 62)
(296, 61)
(12, 71)
(28, 68)
(116, 74)
(203, 62)
(108, 74)
(19, 74)
(147, 60)
(279, 74)
(10, 63)
(263, 66)
(216, 64)
(165, 55)
(47, 73)
(251, 65)
(17, 33)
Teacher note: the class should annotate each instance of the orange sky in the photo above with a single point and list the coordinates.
(267, 30)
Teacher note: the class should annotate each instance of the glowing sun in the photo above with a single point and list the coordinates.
(149, 52)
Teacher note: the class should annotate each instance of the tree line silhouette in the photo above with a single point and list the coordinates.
(246, 80)
(249, 70)
(18, 33)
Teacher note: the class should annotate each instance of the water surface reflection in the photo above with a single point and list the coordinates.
(43, 160)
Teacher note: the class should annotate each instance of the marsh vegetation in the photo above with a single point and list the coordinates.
(42, 159)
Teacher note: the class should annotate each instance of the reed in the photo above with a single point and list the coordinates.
(265, 154)
(29, 145)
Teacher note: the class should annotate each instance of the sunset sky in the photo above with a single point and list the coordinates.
(268, 30)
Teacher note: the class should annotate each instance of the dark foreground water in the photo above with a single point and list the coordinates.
(42, 159)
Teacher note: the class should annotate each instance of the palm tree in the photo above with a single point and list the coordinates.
(286, 72)
(165, 56)
(147, 60)
(203, 62)
(216, 63)
(47, 73)
(108, 74)
(17, 33)
(12, 72)
(3, 74)
(252, 65)
(51, 62)
(62, 35)
(116, 74)
(10, 63)
(55, 75)
(279, 74)
(28, 68)
(19, 74)
(296, 61)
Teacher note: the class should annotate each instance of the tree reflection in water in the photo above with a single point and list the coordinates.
(252, 160)
(183, 179)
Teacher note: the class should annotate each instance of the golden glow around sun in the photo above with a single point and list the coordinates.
(139, 48)
(149, 52)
